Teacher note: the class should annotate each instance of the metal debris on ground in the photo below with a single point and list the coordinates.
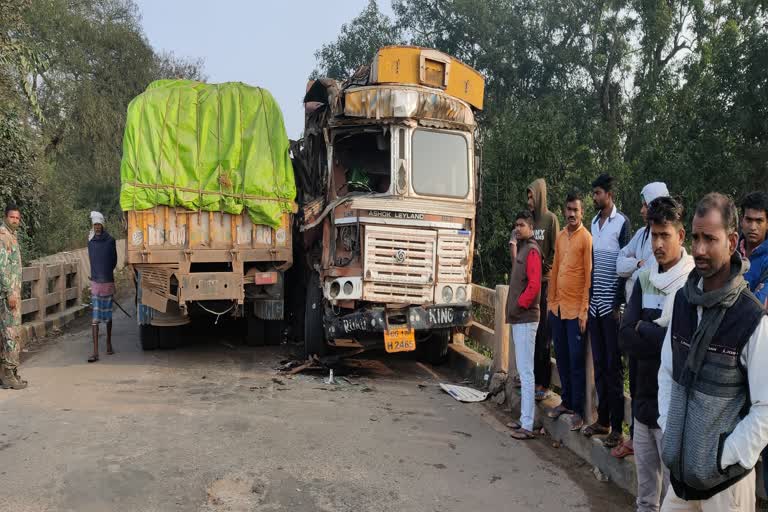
(330, 380)
(463, 393)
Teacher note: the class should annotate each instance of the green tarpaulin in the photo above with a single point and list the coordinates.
(207, 147)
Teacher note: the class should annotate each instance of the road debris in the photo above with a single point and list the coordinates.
(599, 475)
(330, 380)
(464, 394)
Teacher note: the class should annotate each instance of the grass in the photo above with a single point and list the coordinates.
(477, 347)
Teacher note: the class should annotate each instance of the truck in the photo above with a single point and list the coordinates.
(388, 179)
(208, 190)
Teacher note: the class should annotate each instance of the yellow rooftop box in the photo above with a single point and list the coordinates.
(430, 68)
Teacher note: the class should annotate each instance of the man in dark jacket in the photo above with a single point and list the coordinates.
(713, 387)
(545, 230)
(641, 336)
(102, 253)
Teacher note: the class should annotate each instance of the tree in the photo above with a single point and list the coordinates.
(357, 42)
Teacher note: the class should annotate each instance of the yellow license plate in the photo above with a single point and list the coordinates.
(399, 340)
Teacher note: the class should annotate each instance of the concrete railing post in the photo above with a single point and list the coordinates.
(40, 292)
(503, 349)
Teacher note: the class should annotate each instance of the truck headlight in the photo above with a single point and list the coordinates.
(348, 288)
(461, 294)
(334, 289)
(447, 294)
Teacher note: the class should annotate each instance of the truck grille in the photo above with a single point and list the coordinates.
(452, 257)
(401, 256)
(397, 293)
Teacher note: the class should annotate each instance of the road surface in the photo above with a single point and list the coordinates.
(212, 427)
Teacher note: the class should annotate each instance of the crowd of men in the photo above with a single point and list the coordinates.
(692, 328)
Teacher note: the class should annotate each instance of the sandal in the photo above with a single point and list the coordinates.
(596, 429)
(623, 450)
(93, 359)
(542, 394)
(559, 411)
(522, 434)
(613, 439)
(514, 425)
(516, 380)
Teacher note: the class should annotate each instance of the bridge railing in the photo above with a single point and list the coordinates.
(499, 341)
(52, 289)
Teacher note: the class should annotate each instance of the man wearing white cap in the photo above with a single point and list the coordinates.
(633, 257)
(102, 253)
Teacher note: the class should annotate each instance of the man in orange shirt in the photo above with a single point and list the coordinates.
(568, 298)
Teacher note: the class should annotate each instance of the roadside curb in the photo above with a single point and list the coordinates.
(476, 368)
(39, 329)
(470, 365)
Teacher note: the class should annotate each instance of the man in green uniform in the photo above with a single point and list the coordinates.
(10, 300)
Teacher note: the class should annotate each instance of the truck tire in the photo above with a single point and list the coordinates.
(314, 333)
(273, 332)
(168, 338)
(149, 337)
(435, 350)
(254, 331)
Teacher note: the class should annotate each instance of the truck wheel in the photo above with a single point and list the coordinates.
(314, 333)
(273, 332)
(435, 350)
(149, 337)
(254, 331)
(168, 338)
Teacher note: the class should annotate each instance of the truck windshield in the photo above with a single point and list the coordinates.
(440, 164)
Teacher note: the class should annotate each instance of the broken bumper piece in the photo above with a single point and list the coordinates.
(373, 320)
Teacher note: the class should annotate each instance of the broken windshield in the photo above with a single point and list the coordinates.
(440, 164)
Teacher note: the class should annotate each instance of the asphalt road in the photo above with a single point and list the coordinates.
(212, 427)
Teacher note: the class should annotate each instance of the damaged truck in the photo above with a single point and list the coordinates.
(388, 180)
(208, 189)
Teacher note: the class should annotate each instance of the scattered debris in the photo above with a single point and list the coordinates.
(464, 394)
(556, 444)
(278, 381)
(422, 387)
(461, 433)
(202, 377)
(330, 380)
(599, 475)
(495, 478)
(228, 345)
(366, 389)
(374, 418)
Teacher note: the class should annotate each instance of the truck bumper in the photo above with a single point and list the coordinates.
(420, 318)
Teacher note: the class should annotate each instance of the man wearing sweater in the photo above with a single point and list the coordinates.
(545, 230)
(642, 333)
(633, 258)
(713, 388)
(102, 253)
(523, 315)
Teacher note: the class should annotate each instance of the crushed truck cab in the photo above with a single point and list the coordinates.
(388, 177)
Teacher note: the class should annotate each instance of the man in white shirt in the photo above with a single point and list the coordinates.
(713, 387)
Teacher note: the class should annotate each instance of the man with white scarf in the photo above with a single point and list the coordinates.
(641, 336)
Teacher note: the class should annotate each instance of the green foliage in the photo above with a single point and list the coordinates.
(357, 42)
(75, 65)
(675, 91)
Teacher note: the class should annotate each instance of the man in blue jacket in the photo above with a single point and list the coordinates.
(753, 244)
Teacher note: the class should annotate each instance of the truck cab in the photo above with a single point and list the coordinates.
(388, 187)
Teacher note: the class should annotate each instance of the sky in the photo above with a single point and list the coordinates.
(270, 44)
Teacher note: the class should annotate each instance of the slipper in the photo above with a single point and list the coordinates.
(93, 359)
(558, 411)
(522, 434)
(596, 429)
(514, 425)
(613, 439)
(543, 394)
(622, 451)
